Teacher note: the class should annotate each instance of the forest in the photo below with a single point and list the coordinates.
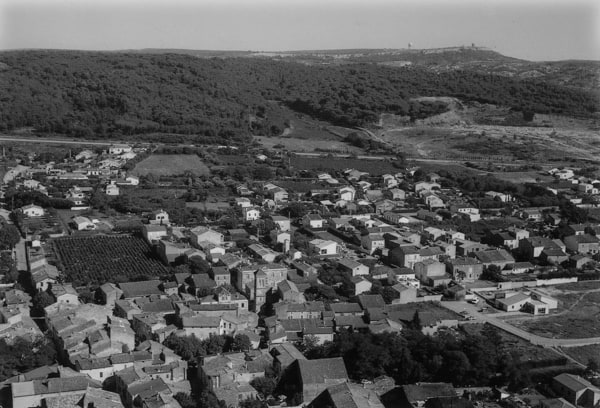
(97, 95)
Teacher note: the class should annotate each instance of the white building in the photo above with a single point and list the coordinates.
(323, 247)
(32, 210)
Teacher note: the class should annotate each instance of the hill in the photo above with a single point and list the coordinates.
(217, 100)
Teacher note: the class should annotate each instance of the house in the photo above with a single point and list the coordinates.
(159, 217)
(288, 292)
(32, 393)
(83, 224)
(466, 269)
(109, 293)
(111, 189)
(282, 223)
(132, 181)
(372, 242)
(309, 378)
(346, 309)
(433, 201)
(579, 261)
(406, 294)
(221, 275)
(32, 210)
(426, 186)
(323, 247)
(583, 244)
(251, 213)
(154, 233)
(347, 193)
(576, 390)
(314, 221)
(278, 194)
(134, 290)
(360, 285)
(65, 293)
(417, 395)
(205, 235)
(395, 194)
(85, 155)
(347, 395)
(350, 265)
(202, 326)
(497, 257)
(531, 214)
(513, 303)
(429, 271)
(118, 149)
(502, 197)
(532, 247)
(284, 355)
(262, 252)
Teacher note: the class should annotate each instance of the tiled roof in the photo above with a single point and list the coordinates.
(321, 370)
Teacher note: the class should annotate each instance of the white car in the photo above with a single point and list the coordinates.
(474, 301)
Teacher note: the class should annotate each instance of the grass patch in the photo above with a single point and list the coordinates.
(171, 165)
(373, 167)
(579, 286)
(584, 354)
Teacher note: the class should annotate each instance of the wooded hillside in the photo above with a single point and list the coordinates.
(94, 94)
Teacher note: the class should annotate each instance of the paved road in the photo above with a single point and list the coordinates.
(492, 319)
(20, 256)
(55, 141)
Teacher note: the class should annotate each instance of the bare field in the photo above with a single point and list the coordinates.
(307, 145)
(459, 133)
(171, 164)
(579, 317)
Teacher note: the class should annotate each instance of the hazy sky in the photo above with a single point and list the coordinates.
(530, 29)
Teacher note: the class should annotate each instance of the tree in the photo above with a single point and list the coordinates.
(592, 365)
(8, 267)
(253, 403)
(187, 347)
(214, 344)
(415, 323)
(40, 301)
(199, 265)
(264, 385)
(185, 400)
(9, 237)
(241, 342)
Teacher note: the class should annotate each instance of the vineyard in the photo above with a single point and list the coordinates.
(106, 258)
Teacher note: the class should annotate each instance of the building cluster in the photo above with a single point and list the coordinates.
(259, 278)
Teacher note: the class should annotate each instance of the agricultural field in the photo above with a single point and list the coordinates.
(373, 167)
(171, 165)
(578, 317)
(98, 259)
(584, 354)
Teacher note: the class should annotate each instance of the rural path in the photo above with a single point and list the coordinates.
(458, 306)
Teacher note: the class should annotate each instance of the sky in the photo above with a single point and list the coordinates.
(536, 30)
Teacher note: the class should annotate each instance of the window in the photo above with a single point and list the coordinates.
(101, 374)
